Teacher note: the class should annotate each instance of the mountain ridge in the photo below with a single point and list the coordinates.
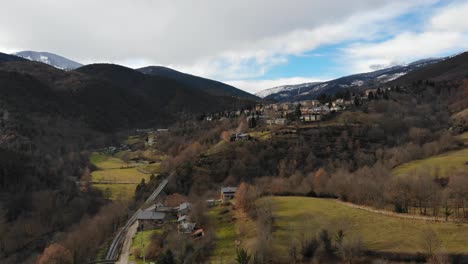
(207, 85)
(49, 58)
(355, 81)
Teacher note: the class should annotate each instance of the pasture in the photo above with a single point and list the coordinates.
(442, 164)
(301, 217)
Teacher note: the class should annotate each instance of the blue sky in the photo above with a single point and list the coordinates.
(333, 60)
(253, 45)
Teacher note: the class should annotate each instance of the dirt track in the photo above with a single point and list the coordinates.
(125, 253)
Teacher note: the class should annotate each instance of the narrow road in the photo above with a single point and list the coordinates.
(125, 252)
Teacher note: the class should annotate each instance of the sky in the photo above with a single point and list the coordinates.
(253, 45)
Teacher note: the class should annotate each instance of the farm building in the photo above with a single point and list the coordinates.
(184, 208)
(150, 220)
(228, 193)
(239, 136)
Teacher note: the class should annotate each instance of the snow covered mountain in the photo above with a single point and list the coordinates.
(267, 92)
(307, 91)
(49, 58)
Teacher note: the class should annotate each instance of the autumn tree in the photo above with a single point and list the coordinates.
(56, 254)
(246, 196)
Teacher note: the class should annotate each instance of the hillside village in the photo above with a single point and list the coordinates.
(305, 111)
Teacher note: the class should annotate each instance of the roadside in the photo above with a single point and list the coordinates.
(125, 253)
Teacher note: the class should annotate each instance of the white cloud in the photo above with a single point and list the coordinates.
(446, 32)
(233, 40)
(222, 40)
(451, 18)
(254, 86)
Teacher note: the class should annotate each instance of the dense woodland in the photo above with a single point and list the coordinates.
(49, 121)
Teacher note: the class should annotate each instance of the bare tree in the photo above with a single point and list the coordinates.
(430, 242)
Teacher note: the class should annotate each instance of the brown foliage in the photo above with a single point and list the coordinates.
(55, 254)
(246, 196)
(175, 199)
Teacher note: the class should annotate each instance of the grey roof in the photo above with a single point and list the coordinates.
(150, 215)
(229, 189)
(184, 206)
(182, 218)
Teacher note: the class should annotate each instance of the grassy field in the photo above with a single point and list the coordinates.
(113, 169)
(231, 228)
(446, 163)
(103, 161)
(296, 217)
(154, 168)
(119, 175)
(141, 241)
(117, 191)
(262, 135)
(464, 138)
(226, 235)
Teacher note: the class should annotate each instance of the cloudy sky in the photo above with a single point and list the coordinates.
(252, 44)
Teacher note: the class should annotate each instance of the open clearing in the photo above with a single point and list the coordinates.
(445, 163)
(296, 217)
(117, 191)
(141, 241)
(104, 162)
(231, 228)
(113, 173)
(226, 235)
(119, 175)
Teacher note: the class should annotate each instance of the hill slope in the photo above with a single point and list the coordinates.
(106, 97)
(49, 58)
(6, 57)
(452, 68)
(203, 84)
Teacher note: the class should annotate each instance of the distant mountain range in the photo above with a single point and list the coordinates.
(356, 81)
(49, 58)
(202, 84)
(104, 97)
(205, 85)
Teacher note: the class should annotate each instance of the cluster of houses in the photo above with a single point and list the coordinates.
(157, 215)
(277, 114)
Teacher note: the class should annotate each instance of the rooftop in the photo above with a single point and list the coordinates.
(229, 189)
(150, 215)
